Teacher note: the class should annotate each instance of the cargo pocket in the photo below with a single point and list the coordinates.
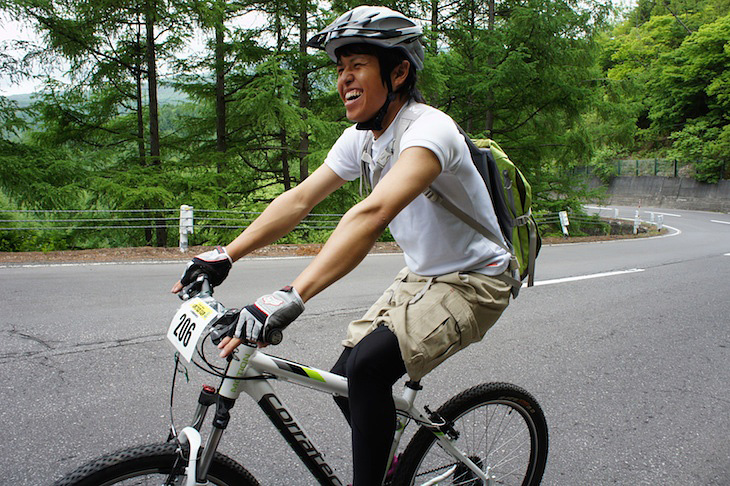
(447, 327)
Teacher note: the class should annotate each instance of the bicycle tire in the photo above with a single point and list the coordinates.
(153, 464)
(518, 458)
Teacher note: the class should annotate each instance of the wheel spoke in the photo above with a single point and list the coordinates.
(505, 437)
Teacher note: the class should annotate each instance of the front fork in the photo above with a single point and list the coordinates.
(197, 469)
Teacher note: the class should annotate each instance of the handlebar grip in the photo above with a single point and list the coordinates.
(274, 336)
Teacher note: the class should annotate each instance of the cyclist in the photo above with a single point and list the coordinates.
(452, 289)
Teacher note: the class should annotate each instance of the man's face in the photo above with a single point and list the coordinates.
(360, 86)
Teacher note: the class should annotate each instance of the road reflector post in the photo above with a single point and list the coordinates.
(564, 222)
(186, 225)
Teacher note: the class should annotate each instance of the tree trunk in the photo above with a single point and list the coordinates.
(140, 116)
(434, 27)
(152, 86)
(303, 86)
(221, 143)
(286, 177)
(489, 117)
(160, 228)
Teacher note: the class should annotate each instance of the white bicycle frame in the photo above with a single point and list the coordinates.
(249, 372)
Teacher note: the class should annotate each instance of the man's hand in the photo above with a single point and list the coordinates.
(214, 263)
(270, 312)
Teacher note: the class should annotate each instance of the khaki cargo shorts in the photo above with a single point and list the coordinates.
(434, 317)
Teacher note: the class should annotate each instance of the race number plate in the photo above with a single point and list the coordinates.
(188, 325)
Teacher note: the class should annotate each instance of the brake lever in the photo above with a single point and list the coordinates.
(224, 326)
(199, 285)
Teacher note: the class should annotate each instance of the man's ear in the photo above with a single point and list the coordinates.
(399, 74)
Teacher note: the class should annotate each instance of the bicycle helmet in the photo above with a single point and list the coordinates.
(380, 26)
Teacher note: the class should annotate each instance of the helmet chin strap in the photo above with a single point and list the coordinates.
(376, 122)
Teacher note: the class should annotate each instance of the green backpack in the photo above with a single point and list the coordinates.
(509, 191)
(514, 208)
(511, 197)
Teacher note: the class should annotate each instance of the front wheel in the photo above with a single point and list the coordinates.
(499, 426)
(156, 464)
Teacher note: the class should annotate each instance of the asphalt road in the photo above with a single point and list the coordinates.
(625, 344)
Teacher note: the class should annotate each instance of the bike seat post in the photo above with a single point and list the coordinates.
(411, 390)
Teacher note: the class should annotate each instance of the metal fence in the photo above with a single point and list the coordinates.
(185, 221)
(103, 219)
(645, 167)
(653, 167)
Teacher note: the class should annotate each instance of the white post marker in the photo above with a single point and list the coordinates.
(564, 222)
(660, 222)
(186, 225)
(636, 222)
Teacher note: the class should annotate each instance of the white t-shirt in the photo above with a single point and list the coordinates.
(434, 241)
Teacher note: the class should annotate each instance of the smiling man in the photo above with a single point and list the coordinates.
(453, 287)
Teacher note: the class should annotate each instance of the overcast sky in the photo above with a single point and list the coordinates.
(12, 30)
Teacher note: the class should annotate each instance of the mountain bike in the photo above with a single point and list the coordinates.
(491, 434)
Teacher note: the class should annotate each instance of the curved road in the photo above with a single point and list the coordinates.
(625, 344)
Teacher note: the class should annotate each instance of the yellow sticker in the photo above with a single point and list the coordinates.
(201, 308)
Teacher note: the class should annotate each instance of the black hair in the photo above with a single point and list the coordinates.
(389, 59)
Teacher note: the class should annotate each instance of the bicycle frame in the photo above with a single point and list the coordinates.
(249, 372)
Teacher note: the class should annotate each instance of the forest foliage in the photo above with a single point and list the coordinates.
(559, 84)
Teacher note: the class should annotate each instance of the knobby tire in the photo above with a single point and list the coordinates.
(501, 428)
(153, 465)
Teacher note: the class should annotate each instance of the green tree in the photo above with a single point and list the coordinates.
(519, 72)
(672, 58)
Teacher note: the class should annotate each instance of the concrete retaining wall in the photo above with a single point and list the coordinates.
(669, 192)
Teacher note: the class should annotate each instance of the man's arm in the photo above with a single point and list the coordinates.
(283, 214)
(362, 225)
(286, 212)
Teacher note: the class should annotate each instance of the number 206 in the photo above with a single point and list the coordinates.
(184, 329)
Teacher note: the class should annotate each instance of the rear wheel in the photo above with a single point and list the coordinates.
(500, 427)
(156, 464)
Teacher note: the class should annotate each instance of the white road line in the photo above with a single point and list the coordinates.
(727, 254)
(586, 277)
(664, 214)
(718, 221)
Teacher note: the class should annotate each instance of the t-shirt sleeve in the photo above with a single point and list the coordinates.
(437, 132)
(344, 156)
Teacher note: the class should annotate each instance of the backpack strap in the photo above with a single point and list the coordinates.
(434, 196)
(406, 116)
(510, 279)
(532, 231)
(404, 120)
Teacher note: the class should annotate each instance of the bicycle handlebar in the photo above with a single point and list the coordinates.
(201, 286)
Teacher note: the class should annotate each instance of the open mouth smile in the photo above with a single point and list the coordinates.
(352, 95)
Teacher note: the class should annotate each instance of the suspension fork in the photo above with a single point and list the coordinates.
(197, 468)
(225, 399)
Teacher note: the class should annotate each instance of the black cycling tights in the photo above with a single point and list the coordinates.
(371, 367)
